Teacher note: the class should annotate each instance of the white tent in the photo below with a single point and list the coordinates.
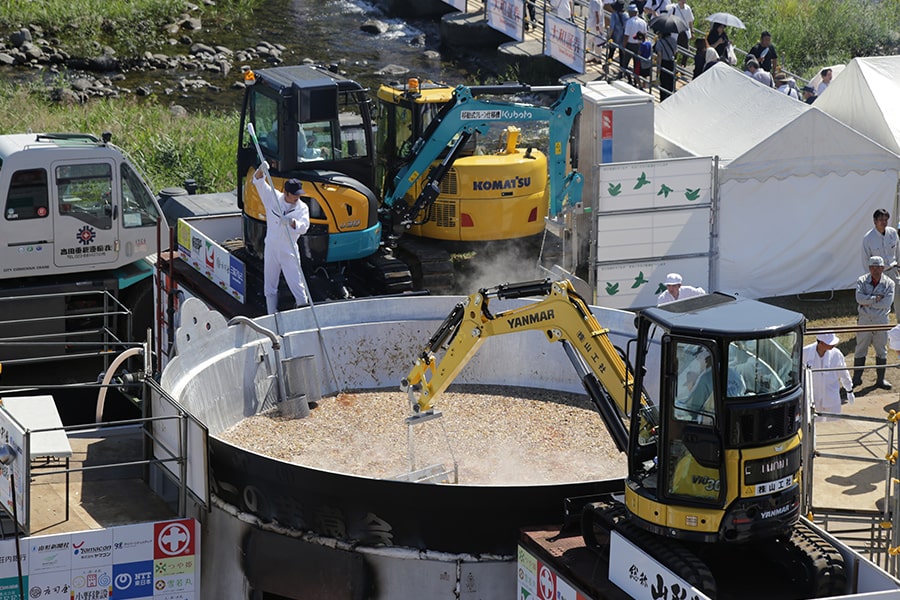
(795, 189)
(867, 98)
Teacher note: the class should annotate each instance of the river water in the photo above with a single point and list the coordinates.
(327, 32)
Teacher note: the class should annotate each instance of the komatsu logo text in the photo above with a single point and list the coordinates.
(501, 184)
(517, 322)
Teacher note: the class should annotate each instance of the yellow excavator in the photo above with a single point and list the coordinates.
(713, 454)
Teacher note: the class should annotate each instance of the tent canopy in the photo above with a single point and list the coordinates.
(866, 97)
(761, 133)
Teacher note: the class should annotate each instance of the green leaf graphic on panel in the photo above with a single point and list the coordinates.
(660, 289)
(612, 288)
(664, 191)
(641, 181)
(615, 189)
(639, 280)
(692, 194)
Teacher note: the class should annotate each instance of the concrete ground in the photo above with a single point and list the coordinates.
(97, 498)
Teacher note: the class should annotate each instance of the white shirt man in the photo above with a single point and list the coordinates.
(883, 241)
(563, 9)
(286, 220)
(683, 10)
(676, 291)
(826, 385)
(633, 25)
(654, 8)
(596, 27)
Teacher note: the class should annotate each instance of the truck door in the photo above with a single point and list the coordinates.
(87, 214)
(27, 225)
(692, 460)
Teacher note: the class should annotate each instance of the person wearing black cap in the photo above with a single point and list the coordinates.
(809, 94)
(286, 220)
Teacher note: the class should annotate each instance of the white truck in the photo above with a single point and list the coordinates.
(78, 223)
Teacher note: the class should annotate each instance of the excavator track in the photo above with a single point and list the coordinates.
(799, 564)
(431, 267)
(814, 565)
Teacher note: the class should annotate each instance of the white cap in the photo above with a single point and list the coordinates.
(673, 279)
(829, 339)
(876, 261)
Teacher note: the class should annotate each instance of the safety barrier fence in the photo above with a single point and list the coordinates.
(850, 483)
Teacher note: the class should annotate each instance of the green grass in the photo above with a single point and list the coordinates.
(128, 26)
(165, 147)
(811, 34)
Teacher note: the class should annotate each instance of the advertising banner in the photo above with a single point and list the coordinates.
(564, 41)
(143, 561)
(212, 260)
(507, 16)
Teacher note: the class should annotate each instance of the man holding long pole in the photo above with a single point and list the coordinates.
(287, 219)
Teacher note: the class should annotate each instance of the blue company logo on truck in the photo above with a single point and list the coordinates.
(489, 185)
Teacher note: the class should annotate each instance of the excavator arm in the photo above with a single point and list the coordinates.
(466, 115)
(563, 317)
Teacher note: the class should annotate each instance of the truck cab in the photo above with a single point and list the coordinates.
(71, 203)
(78, 222)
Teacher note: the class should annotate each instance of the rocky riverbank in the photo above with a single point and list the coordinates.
(187, 61)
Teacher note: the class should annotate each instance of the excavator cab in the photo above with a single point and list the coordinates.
(729, 397)
(316, 126)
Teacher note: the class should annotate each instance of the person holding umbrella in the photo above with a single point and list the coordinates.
(718, 40)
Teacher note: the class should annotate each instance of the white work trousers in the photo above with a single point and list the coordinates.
(279, 260)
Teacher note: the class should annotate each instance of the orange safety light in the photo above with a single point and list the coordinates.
(249, 77)
(412, 85)
(465, 220)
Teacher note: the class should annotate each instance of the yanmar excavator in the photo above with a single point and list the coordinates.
(712, 492)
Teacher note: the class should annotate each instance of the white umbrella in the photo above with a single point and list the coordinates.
(727, 19)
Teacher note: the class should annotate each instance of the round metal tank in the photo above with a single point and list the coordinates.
(223, 374)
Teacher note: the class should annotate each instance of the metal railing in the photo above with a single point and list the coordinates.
(173, 461)
(62, 326)
(857, 439)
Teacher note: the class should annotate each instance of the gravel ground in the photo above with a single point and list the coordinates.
(498, 435)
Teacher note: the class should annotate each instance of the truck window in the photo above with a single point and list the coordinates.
(85, 193)
(28, 197)
(138, 208)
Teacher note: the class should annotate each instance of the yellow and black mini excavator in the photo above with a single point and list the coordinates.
(713, 455)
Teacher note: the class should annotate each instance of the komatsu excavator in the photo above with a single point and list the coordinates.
(713, 455)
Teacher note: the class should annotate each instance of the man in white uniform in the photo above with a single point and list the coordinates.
(676, 291)
(883, 241)
(875, 297)
(827, 385)
(286, 220)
